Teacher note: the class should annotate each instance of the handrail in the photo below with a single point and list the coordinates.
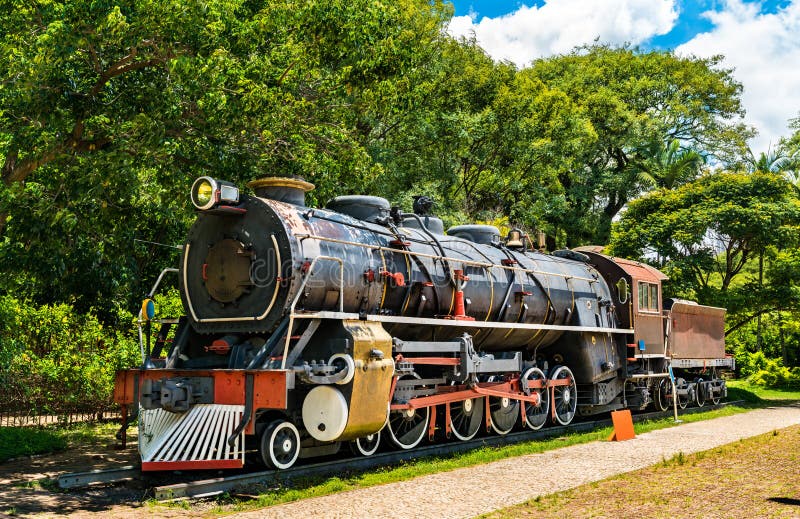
(300, 293)
(430, 321)
(139, 315)
(435, 257)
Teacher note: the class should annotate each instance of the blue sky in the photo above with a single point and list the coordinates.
(759, 39)
(689, 23)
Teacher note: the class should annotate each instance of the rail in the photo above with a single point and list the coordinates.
(210, 487)
(215, 486)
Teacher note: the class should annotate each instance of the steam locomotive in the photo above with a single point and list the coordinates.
(308, 329)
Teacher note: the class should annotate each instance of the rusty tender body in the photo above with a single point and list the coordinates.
(308, 329)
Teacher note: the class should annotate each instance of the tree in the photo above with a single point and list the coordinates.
(705, 233)
(636, 100)
(670, 165)
(487, 139)
(790, 147)
(231, 85)
(111, 109)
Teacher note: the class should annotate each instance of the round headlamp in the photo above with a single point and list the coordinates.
(204, 193)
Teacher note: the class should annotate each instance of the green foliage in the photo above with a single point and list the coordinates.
(761, 370)
(789, 152)
(705, 232)
(635, 102)
(26, 441)
(70, 238)
(168, 304)
(780, 337)
(54, 361)
(750, 363)
(110, 110)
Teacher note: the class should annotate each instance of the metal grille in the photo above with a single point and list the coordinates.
(198, 435)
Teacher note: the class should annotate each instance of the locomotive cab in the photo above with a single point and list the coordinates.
(637, 293)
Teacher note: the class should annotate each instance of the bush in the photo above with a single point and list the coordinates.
(749, 363)
(54, 361)
(764, 371)
(168, 304)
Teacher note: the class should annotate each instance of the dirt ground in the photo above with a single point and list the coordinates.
(756, 477)
(27, 484)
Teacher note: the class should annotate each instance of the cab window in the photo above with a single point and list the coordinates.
(648, 297)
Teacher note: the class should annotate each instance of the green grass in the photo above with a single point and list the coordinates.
(408, 470)
(16, 442)
(743, 390)
(749, 474)
(25, 441)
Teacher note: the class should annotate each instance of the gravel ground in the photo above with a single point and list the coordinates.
(468, 492)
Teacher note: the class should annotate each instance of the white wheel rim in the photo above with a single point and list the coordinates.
(408, 413)
(415, 441)
(508, 403)
(661, 394)
(682, 402)
(698, 396)
(544, 397)
(286, 445)
(566, 396)
(367, 441)
(467, 407)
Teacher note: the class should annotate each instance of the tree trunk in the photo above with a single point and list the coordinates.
(760, 287)
(782, 339)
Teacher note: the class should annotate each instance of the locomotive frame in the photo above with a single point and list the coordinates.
(309, 329)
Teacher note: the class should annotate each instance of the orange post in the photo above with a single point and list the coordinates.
(459, 310)
(623, 426)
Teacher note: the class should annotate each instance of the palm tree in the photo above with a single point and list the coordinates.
(775, 160)
(669, 165)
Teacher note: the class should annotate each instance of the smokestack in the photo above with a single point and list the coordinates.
(282, 189)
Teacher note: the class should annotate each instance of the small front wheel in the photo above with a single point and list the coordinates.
(366, 445)
(280, 445)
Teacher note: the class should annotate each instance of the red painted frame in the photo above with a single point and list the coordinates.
(151, 466)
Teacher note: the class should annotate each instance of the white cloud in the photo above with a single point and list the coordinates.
(764, 49)
(559, 25)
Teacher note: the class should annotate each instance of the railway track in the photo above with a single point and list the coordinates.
(217, 485)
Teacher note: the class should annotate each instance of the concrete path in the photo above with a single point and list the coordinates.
(471, 491)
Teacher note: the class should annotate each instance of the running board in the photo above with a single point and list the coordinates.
(197, 439)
